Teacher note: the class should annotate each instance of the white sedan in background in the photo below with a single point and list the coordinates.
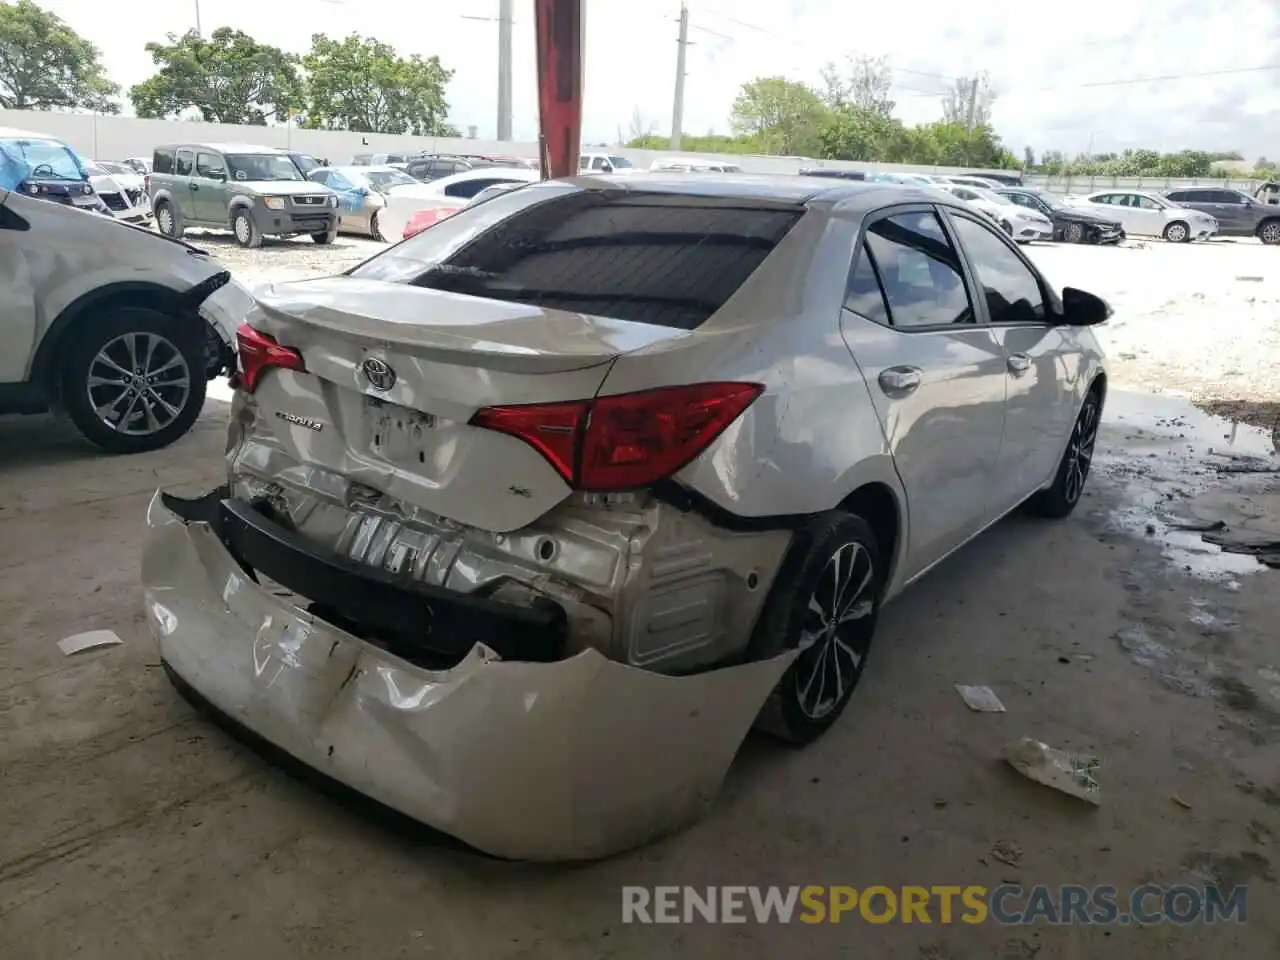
(448, 195)
(121, 189)
(363, 193)
(1021, 224)
(1149, 214)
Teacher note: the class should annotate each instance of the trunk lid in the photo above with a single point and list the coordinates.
(394, 373)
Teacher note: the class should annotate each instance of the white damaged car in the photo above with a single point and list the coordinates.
(119, 327)
(529, 518)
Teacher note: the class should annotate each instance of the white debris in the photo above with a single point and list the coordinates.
(1069, 773)
(980, 699)
(91, 640)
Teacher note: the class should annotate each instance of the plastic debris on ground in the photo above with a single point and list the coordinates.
(91, 640)
(1068, 773)
(980, 699)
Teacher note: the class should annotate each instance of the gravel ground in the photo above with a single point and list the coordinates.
(132, 828)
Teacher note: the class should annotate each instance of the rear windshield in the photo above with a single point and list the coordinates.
(665, 259)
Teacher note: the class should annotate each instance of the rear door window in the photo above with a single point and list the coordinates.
(919, 270)
(162, 161)
(662, 259)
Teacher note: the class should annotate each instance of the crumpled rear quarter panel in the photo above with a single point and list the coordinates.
(576, 759)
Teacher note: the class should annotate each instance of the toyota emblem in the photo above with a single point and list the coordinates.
(379, 374)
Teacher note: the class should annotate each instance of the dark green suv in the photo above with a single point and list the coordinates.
(253, 191)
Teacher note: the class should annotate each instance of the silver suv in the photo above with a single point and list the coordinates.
(253, 191)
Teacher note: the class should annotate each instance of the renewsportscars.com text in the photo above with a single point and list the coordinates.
(939, 904)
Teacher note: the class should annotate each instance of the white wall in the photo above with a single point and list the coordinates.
(114, 138)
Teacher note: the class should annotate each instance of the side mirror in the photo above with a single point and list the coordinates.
(607, 167)
(1083, 309)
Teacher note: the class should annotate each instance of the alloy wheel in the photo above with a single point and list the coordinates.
(138, 383)
(165, 216)
(1271, 232)
(1075, 232)
(1176, 233)
(242, 228)
(835, 635)
(1084, 436)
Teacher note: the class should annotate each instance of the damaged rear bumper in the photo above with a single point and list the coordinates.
(572, 759)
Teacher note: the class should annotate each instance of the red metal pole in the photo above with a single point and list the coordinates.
(558, 26)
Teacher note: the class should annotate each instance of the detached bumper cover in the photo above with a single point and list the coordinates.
(576, 759)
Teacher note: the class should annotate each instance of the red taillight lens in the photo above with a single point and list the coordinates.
(259, 352)
(624, 441)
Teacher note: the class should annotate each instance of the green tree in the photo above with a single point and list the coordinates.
(45, 65)
(856, 133)
(950, 145)
(361, 84)
(228, 77)
(783, 116)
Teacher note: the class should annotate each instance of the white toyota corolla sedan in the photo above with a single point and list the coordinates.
(507, 501)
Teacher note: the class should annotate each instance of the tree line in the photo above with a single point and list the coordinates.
(360, 84)
(355, 83)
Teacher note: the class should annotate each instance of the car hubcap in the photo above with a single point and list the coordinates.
(836, 631)
(242, 229)
(1080, 451)
(1271, 233)
(166, 220)
(138, 383)
(1177, 234)
(1074, 232)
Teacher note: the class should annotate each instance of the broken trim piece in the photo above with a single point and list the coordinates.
(423, 623)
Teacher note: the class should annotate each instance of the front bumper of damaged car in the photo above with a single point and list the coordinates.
(574, 757)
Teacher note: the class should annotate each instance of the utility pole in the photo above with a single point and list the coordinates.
(198, 33)
(677, 109)
(973, 104)
(504, 68)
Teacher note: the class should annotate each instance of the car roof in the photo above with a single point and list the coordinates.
(224, 147)
(856, 196)
(488, 173)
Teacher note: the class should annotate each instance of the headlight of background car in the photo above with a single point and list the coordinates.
(333, 201)
(274, 203)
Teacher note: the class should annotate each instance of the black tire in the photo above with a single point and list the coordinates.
(167, 220)
(375, 228)
(1177, 232)
(325, 238)
(1269, 232)
(179, 350)
(1060, 499)
(796, 711)
(1073, 233)
(246, 231)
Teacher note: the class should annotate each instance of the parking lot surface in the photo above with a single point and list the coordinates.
(130, 827)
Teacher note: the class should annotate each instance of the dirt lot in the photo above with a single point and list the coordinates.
(132, 828)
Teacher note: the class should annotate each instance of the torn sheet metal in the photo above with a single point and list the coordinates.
(576, 759)
(90, 640)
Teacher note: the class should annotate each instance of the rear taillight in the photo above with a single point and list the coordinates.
(146, 182)
(259, 352)
(624, 441)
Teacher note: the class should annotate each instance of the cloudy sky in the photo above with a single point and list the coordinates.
(1064, 74)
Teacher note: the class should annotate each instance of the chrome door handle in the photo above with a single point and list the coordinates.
(900, 381)
(1019, 363)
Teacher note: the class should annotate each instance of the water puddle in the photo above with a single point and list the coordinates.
(1167, 456)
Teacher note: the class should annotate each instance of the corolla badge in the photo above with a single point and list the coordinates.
(378, 373)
